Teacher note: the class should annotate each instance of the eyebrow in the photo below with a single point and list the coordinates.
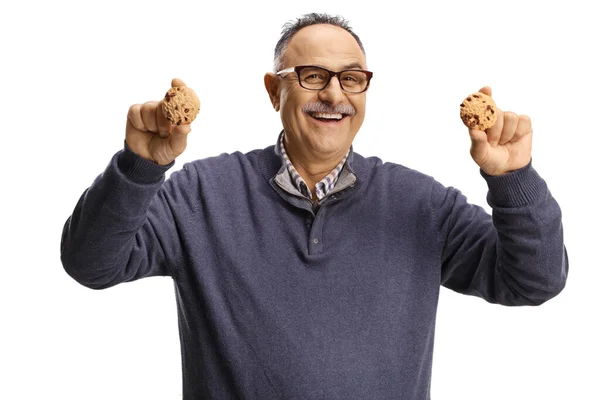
(354, 65)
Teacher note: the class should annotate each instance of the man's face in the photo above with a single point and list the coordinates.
(333, 48)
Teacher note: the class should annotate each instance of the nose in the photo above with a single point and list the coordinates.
(332, 93)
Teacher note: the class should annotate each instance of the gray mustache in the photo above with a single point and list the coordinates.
(329, 109)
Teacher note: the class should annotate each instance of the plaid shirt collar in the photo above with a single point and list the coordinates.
(323, 187)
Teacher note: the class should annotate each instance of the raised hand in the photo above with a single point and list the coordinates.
(504, 147)
(150, 135)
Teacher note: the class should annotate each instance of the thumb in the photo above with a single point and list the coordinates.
(178, 138)
(479, 145)
(486, 90)
(177, 82)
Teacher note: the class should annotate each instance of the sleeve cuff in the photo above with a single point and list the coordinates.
(138, 169)
(514, 189)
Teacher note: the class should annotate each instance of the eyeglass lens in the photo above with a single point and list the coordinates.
(317, 78)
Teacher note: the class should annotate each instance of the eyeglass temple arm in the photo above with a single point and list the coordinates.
(285, 71)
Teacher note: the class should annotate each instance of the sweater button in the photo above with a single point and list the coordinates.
(315, 240)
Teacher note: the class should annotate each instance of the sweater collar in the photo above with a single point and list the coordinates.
(323, 187)
(271, 163)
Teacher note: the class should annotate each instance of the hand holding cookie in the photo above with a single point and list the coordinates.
(500, 141)
(157, 130)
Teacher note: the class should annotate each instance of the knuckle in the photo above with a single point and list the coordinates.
(146, 110)
(149, 106)
(134, 110)
(524, 125)
(511, 117)
(135, 116)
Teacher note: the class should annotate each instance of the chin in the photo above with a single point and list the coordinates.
(328, 143)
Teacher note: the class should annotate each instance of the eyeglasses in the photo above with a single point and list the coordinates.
(317, 78)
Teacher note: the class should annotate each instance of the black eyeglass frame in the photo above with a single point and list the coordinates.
(297, 69)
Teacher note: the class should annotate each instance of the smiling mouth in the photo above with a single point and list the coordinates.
(327, 117)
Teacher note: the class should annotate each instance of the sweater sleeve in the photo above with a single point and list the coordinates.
(514, 257)
(122, 228)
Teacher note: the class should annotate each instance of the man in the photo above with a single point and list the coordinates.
(305, 270)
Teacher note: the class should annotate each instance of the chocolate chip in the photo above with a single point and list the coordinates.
(476, 96)
(178, 89)
(177, 107)
(186, 110)
(186, 119)
(178, 122)
(462, 104)
(468, 99)
(168, 99)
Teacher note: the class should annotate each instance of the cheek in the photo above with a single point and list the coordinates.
(292, 101)
(359, 107)
(287, 105)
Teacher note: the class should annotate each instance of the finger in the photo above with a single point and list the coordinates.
(164, 127)
(486, 90)
(179, 130)
(178, 140)
(511, 120)
(148, 112)
(495, 131)
(479, 145)
(135, 116)
(177, 82)
(523, 128)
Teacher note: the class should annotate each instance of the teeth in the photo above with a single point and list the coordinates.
(328, 116)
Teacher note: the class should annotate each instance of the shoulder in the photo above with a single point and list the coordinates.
(374, 169)
(222, 173)
(224, 163)
(396, 181)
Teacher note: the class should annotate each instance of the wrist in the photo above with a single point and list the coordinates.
(139, 169)
(515, 188)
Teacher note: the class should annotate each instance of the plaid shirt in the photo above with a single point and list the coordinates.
(323, 187)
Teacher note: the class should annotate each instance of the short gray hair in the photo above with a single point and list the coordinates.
(292, 27)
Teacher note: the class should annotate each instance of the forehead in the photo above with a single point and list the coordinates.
(325, 45)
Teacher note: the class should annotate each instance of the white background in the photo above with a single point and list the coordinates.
(70, 71)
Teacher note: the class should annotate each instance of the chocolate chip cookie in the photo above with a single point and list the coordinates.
(478, 111)
(180, 105)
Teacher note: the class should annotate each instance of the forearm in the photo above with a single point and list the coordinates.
(106, 239)
(531, 255)
(517, 257)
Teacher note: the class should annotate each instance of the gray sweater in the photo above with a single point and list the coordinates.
(280, 300)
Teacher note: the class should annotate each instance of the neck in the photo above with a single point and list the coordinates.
(313, 170)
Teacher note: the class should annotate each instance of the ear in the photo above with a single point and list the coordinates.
(272, 84)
